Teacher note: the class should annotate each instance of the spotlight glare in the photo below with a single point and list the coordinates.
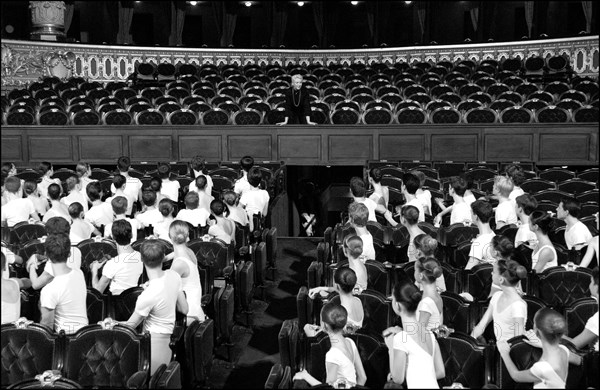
(300, 3)
(408, 2)
(193, 3)
(248, 4)
(354, 2)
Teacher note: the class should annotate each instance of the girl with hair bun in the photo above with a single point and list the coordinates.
(507, 308)
(186, 265)
(430, 310)
(503, 249)
(414, 352)
(550, 372)
(342, 361)
(221, 227)
(166, 209)
(426, 246)
(544, 255)
(381, 193)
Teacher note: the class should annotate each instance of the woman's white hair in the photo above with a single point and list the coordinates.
(297, 76)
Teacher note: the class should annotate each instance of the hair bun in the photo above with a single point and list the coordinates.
(416, 296)
(521, 272)
(437, 272)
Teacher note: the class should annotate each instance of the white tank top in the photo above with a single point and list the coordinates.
(193, 291)
(536, 255)
(11, 311)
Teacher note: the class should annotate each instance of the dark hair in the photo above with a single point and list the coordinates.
(516, 173)
(44, 167)
(54, 191)
(430, 268)
(164, 170)
(346, 278)
(192, 200)
(483, 210)
(29, 187)
(375, 174)
(7, 167)
(123, 164)
(56, 225)
(230, 197)
(246, 163)
(153, 253)
(543, 220)
(406, 293)
(334, 315)
(411, 214)
(2, 260)
(357, 187)
(459, 185)
(504, 245)
(119, 205)
(254, 176)
(572, 205)
(527, 202)
(426, 244)
(119, 181)
(550, 324)
(411, 182)
(72, 182)
(420, 175)
(511, 271)
(595, 275)
(122, 232)
(165, 206)
(58, 247)
(149, 198)
(75, 209)
(155, 184)
(469, 179)
(198, 163)
(82, 168)
(94, 191)
(201, 182)
(217, 207)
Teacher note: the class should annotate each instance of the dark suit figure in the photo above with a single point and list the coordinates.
(297, 104)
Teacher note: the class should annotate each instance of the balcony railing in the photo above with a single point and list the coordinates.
(24, 62)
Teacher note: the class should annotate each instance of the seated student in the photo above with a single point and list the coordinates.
(590, 259)
(253, 199)
(155, 186)
(84, 172)
(80, 228)
(460, 209)
(169, 188)
(198, 168)
(342, 361)
(381, 193)
(424, 196)
(11, 294)
(122, 271)
(409, 217)
(75, 194)
(517, 175)
(357, 216)
(502, 249)
(358, 191)
(151, 216)
(410, 185)
(186, 265)
(57, 208)
(526, 204)
(431, 307)
(156, 305)
(220, 227)
(133, 189)
(192, 213)
(119, 206)
(507, 309)
(577, 234)
(63, 300)
(161, 228)
(100, 214)
(236, 212)
(345, 280)
(353, 249)
(544, 254)
(120, 184)
(468, 197)
(415, 355)
(55, 225)
(481, 247)
(242, 184)
(550, 372)
(11, 258)
(425, 245)
(589, 335)
(9, 170)
(204, 197)
(46, 171)
(505, 211)
(17, 209)
(31, 192)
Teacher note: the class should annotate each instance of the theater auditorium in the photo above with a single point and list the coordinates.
(297, 194)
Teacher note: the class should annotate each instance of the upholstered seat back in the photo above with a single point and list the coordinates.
(375, 359)
(559, 287)
(464, 360)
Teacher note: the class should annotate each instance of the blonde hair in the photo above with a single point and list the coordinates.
(297, 77)
(504, 185)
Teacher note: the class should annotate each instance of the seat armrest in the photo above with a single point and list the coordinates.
(300, 384)
(138, 380)
(228, 274)
(205, 300)
(175, 338)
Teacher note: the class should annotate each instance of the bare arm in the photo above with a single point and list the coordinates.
(583, 339)
(438, 362)
(524, 376)
(47, 318)
(182, 305)
(134, 320)
(483, 323)
(544, 257)
(589, 253)
(361, 376)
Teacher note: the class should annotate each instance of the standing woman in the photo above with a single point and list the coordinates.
(297, 104)
(414, 352)
(186, 265)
